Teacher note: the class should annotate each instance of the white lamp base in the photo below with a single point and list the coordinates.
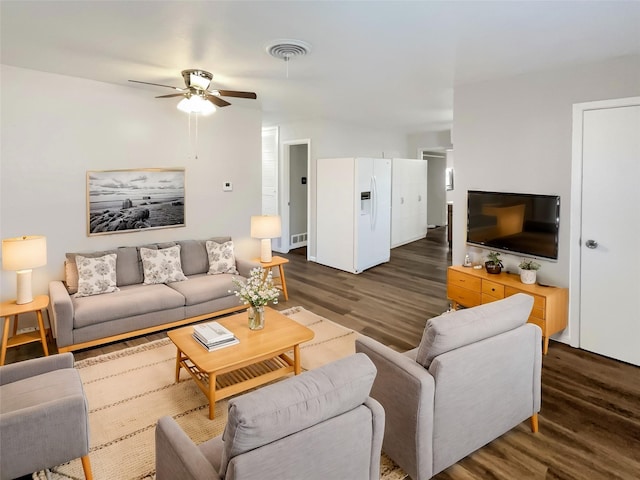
(265, 250)
(24, 287)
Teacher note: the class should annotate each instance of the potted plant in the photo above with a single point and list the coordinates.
(528, 269)
(493, 263)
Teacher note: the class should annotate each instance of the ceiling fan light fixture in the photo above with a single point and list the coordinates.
(199, 82)
(196, 104)
(197, 78)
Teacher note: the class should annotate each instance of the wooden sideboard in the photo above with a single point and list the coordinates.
(469, 287)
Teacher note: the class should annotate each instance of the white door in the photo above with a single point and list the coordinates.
(610, 252)
(409, 205)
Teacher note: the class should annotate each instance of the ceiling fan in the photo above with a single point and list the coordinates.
(198, 97)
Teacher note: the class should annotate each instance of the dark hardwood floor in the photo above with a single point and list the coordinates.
(590, 417)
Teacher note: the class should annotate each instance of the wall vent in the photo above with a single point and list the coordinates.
(298, 240)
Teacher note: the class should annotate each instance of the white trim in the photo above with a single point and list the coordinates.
(573, 332)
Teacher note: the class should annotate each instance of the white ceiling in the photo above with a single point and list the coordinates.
(392, 65)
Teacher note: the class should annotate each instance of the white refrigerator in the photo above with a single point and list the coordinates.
(353, 212)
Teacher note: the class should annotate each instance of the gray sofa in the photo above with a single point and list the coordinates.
(475, 376)
(137, 308)
(320, 425)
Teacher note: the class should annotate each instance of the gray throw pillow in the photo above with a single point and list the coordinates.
(462, 327)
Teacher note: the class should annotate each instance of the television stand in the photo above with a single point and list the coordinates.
(469, 287)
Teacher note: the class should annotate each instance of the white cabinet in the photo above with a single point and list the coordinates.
(408, 200)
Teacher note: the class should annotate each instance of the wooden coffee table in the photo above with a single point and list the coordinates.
(259, 358)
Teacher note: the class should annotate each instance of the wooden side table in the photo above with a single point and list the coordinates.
(12, 309)
(277, 262)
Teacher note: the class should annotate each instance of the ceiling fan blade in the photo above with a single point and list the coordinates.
(217, 100)
(233, 93)
(171, 95)
(156, 84)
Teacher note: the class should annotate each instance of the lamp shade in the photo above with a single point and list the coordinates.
(266, 226)
(24, 253)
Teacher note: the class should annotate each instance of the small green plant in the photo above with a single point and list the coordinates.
(494, 257)
(529, 265)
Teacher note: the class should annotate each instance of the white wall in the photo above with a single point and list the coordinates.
(55, 128)
(332, 139)
(437, 206)
(436, 141)
(515, 135)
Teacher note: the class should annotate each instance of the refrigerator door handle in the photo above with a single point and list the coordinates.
(374, 205)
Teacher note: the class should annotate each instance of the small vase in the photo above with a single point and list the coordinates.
(528, 276)
(256, 317)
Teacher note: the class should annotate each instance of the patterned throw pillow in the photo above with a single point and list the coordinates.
(96, 275)
(162, 266)
(221, 258)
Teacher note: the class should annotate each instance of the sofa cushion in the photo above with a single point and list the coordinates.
(128, 266)
(221, 257)
(204, 288)
(193, 256)
(281, 409)
(130, 301)
(96, 275)
(462, 327)
(162, 265)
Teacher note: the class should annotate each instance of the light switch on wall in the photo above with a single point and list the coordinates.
(227, 187)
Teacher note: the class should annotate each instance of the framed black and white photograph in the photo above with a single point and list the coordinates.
(121, 201)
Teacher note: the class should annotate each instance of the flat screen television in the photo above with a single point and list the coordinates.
(518, 223)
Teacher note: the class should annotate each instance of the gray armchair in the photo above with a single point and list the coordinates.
(318, 425)
(43, 416)
(475, 376)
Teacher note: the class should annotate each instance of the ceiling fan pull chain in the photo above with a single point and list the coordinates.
(196, 149)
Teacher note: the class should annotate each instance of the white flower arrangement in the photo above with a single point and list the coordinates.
(258, 290)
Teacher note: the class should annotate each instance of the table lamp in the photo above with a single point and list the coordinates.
(21, 254)
(266, 227)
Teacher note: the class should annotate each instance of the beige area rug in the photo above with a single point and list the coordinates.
(129, 390)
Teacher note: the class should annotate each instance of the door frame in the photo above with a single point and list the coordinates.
(284, 192)
(575, 226)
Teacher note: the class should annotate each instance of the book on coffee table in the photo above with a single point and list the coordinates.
(216, 345)
(212, 332)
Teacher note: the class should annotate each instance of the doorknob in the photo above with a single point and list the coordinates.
(591, 244)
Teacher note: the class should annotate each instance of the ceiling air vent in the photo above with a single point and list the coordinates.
(286, 49)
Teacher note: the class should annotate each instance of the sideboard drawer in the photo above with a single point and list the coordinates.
(536, 321)
(538, 301)
(463, 280)
(493, 289)
(537, 312)
(488, 298)
(464, 296)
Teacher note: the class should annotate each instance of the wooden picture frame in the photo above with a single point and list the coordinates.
(124, 201)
